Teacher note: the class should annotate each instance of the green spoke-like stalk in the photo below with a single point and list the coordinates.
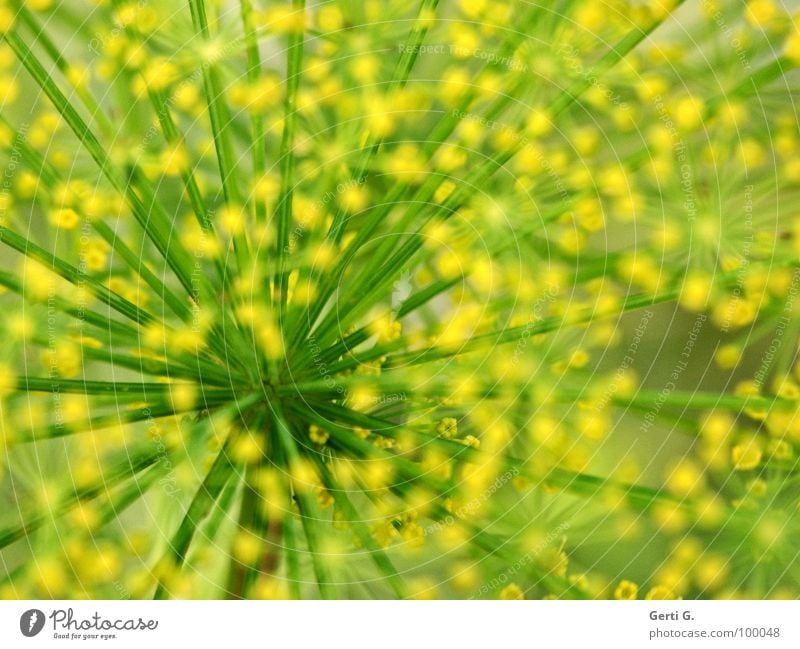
(283, 209)
(156, 228)
(443, 299)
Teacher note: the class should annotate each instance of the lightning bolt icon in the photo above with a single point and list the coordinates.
(32, 620)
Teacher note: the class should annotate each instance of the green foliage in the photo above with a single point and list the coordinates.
(354, 299)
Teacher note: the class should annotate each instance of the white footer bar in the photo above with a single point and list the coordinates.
(399, 625)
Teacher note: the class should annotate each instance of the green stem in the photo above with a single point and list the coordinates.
(220, 124)
(486, 541)
(376, 553)
(52, 51)
(130, 462)
(75, 276)
(310, 515)
(64, 428)
(259, 152)
(117, 388)
(204, 498)
(395, 263)
(398, 80)
(51, 176)
(153, 223)
(114, 328)
(580, 483)
(285, 199)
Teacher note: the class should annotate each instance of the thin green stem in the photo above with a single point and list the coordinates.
(47, 173)
(130, 462)
(115, 329)
(153, 222)
(310, 515)
(75, 276)
(376, 553)
(258, 145)
(286, 156)
(203, 501)
(395, 263)
(398, 80)
(221, 123)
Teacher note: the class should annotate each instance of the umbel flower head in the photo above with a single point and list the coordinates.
(361, 299)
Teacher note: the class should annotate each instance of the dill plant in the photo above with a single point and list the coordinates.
(358, 299)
